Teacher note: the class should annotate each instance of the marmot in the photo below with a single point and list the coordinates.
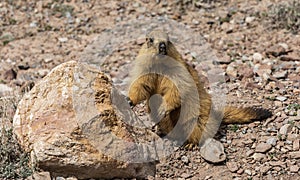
(146, 84)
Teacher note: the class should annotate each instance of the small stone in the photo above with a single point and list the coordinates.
(263, 147)
(258, 156)
(63, 39)
(257, 57)
(240, 171)
(284, 45)
(280, 74)
(232, 166)
(278, 103)
(185, 175)
(264, 169)
(272, 141)
(249, 19)
(294, 168)
(196, 22)
(39, 176)
(43, 72)
(250, 152)
(185, 159)
(10, 75)
(213, 151)
(285, 129)
(296, 145)
(281, 98)
(231, 71)
(5, 89)
(295, 155)
(48, 60)
(277, 163)
(247, 171)
(276, 50)
(33, 24)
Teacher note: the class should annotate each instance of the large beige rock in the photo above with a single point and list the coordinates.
(75, 123)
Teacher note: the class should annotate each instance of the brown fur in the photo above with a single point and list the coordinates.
(145, 85)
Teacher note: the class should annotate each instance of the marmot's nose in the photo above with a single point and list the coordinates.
(162, 48)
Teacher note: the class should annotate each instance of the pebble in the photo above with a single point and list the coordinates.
(247, 171)
(257, 57)
(263, 147)
(285, 129)
(280, 74)
(249, 153)
(63, 39)
(232, 166)
(213, 151)
(231, 71)
(10, 75)
(295, 155)
(185, 159)
(294, 168)
(272, 141)
(249, 19)
(196, 22)
(296, 145)
(5, 89)
(277, 163)
(264, 169)
(281, 98)
(185, 175)
(258, 156)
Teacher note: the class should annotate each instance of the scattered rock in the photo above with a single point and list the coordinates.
(278, 163)
(294, 168)
(213, 151)
(63, 39)
(39, 176)
(257, 57)
(280, 74)
(277, 50)
(281, 98)
(258, 156)
(264, 169)
(285, 129)
(231, 71)
(185, 159)
(296, 145)
(272, 141)
(249, 19)
(185, 175)
(10, 75)
(247, 171)
(4, 89)
(232, 166)
(294, 155)
(263, 147)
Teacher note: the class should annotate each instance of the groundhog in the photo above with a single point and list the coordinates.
(196, 125)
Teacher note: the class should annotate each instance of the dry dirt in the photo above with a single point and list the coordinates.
(261, 60)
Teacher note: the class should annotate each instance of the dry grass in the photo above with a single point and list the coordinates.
(285, 15)
(14, 163)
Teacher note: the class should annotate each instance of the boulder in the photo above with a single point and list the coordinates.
(75, 123)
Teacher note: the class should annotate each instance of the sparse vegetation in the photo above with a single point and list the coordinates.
(14, 163)
(285, 15)
(234, 127)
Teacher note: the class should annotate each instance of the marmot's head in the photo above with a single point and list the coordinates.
(157, 42)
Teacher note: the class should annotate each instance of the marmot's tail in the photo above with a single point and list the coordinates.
(244, 115)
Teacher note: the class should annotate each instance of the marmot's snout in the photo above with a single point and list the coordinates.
(162, 48)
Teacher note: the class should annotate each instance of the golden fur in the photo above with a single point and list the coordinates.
(175, 89)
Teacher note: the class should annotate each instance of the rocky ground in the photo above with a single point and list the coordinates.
(257, 43)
